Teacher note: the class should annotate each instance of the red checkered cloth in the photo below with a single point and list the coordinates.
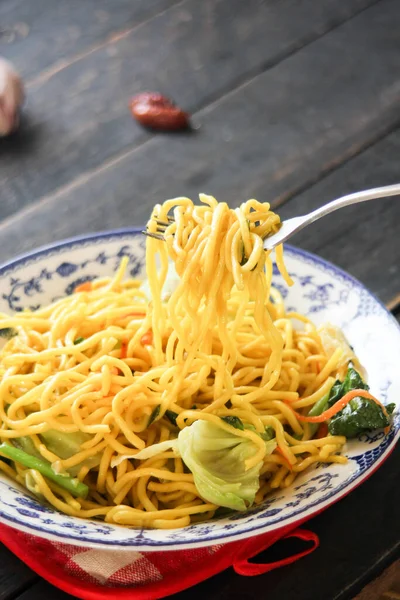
(98, 574)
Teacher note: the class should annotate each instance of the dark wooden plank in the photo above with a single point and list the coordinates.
(14, 575)
(39, 34)
(359, 538)
(268, 139)
(41, 590)
(394, 304)
(363, 239)
(79, 117)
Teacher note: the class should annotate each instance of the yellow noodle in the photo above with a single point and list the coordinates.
(108, 359)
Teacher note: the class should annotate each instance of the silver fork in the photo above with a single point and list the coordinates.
(292, 226)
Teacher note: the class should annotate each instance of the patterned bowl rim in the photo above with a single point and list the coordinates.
(53, 248)
(252, 529)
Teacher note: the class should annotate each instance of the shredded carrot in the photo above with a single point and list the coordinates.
(147, 338)
(280, 451)
(135, 314)
(84, 287)
(322, 431)
(289, 402)
(124, 350)
(114, 371)
(328, 414)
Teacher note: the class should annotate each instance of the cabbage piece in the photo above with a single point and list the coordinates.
(148, 452)
(171, 283)
(66, 445)
(32, 486)
(333, 338)
(63, 445)
(217, 460)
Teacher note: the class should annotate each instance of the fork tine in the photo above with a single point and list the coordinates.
(156, 236)
(166, 223)
(161, 226)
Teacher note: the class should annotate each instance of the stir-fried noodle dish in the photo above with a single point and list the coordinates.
(165, 402)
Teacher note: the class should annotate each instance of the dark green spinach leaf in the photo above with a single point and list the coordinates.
(360, 414)
(154, 415)
(268, 434)
(234, 422)
(171, 416)
(352, 381)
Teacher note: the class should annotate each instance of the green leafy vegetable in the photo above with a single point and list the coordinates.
(154, 415)
(25, 443)
(360, 414)
(233, 422)
(8, 333)
(217, 460)
(66, 445)
(171, 416)
(63, 445)
(268, 435)
(149, 452)
(352, 381)
(78, 340)
(75, 487)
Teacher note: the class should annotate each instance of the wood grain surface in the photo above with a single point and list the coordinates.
(294, 102)
(44, 35)
(64, 136)
(14, 575)
(374, 253)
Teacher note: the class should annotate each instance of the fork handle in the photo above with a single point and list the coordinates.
(380, 192)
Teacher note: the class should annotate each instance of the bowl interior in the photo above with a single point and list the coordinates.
(321, 291)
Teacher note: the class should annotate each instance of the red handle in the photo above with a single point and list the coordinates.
(241, 562)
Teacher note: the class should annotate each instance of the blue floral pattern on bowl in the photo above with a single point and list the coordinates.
(321, 290)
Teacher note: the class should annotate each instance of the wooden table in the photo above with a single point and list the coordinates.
(293, 101)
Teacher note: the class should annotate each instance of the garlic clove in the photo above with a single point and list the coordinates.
(11, 97)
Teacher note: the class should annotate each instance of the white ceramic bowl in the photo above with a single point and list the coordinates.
(321, 290)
